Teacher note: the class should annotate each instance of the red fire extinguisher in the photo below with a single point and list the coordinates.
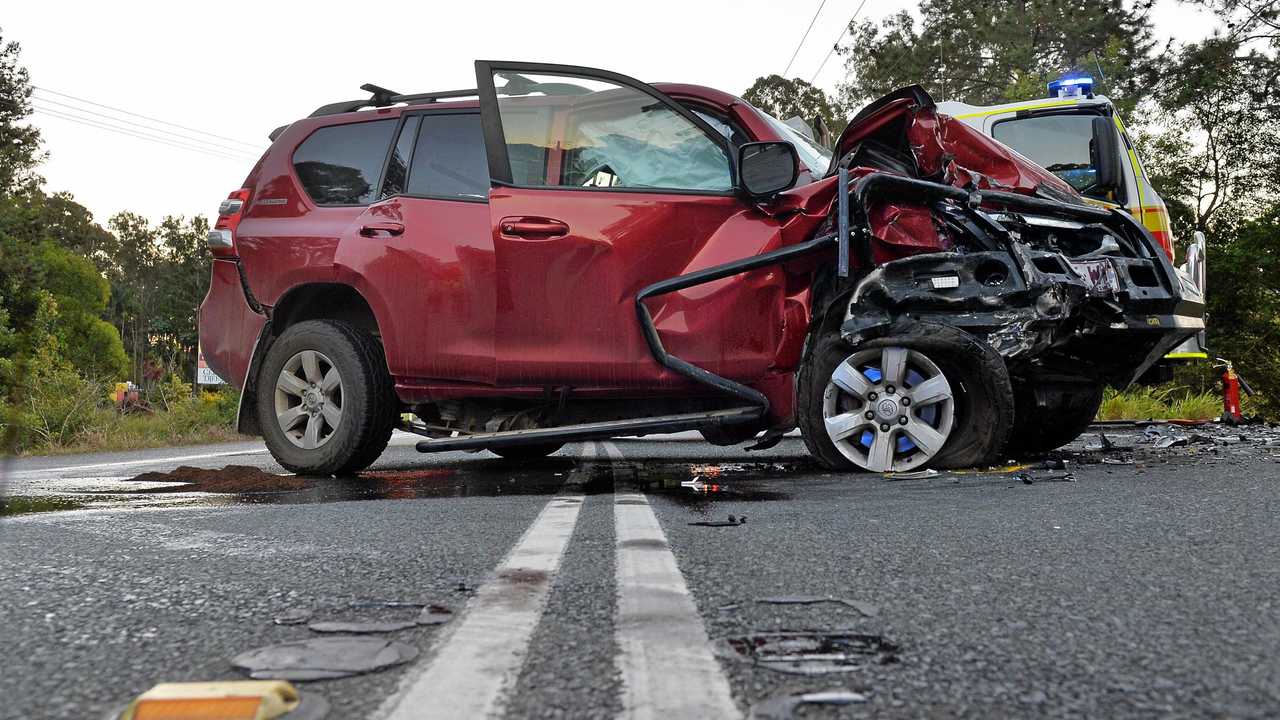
(1232, 384)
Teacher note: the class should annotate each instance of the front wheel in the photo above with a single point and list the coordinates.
(926, 395)
(326, 404)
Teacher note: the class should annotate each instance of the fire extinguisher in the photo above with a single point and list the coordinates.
(1232, 384)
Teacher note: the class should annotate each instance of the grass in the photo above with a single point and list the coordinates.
(1166, 402)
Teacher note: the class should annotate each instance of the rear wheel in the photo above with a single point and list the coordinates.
(326, 403)
(1050, 417)
(927, 395)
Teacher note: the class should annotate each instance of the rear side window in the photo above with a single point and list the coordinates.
(340, 164)
(449, 160)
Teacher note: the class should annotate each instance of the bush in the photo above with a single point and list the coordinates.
(1166, 402)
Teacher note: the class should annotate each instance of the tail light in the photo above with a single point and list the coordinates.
(222, 238)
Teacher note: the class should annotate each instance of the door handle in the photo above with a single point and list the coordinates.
(528, 227)
(382, 229)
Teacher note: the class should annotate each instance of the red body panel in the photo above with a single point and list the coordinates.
(228, 327)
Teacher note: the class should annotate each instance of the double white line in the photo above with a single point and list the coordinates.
(667, 668)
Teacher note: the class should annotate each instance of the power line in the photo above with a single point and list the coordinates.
(836, 44)
(140, 136)
(802, 39)
(113, 118)
(255, 146)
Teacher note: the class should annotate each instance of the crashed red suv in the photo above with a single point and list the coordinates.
(565, 254)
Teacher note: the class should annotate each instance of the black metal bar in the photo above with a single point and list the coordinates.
(592, 431)
(842, 222)
(700, 277)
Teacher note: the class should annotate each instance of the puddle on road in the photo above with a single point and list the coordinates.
(27, 504)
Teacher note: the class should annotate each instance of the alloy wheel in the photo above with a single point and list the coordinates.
(308, 399)
(888, 409)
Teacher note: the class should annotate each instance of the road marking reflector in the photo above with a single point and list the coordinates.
(236, 700)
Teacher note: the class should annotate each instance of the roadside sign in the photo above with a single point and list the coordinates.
(204, 374)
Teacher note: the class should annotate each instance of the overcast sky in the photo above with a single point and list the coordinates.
(238, 70)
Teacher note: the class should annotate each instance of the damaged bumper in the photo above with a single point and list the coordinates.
(1053, 287)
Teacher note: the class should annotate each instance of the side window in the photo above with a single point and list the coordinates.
(723, 125)
(577, 132)
(398, 163)
(449, 160)
(340, 164)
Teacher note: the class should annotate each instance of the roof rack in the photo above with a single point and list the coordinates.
(382, 97)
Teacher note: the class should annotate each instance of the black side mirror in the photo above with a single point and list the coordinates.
(766, 168)
(1104, 154)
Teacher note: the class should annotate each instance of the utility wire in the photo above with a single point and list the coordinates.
(149, 138)
(180, 136)
(255, 146)
(802, 39)
(836, 44)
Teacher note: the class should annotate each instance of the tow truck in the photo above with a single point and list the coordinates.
(1080, 137)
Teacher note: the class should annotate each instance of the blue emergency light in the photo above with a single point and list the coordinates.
(1071, 86)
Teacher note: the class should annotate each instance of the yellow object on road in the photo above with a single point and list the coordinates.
(231, 700)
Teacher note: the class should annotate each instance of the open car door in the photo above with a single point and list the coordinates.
(602, 185)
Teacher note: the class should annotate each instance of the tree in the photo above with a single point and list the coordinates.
(785, 99)
(19, 144)
(994, 51)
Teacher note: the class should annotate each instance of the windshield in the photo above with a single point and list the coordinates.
(814, 156)
(1058, 143)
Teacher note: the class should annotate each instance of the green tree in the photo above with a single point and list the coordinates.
(785, 99)
(994, 51)
(19, 143)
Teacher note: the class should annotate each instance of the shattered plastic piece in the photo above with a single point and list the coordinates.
(361, 628)
(1102, 444)
(435, 615)
(1052, 464)
(783, 707)
(387, 604)
(1171, 441)
(731, 522)
(323, 658)
(914, 475)
(813, 653)
(1025, 478)
(292, 616)
(1229, 440)
(865, 608)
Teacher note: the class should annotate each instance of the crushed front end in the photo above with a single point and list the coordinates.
(946, 225)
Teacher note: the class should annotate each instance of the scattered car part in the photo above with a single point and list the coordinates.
(435, 615)
(813, 652)
(865, 608)
(783, 707)
(323, 658)
(360, 628)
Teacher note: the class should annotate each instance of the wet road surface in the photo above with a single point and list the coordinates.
(609, 580)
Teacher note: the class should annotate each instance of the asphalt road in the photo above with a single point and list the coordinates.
(1142, 586)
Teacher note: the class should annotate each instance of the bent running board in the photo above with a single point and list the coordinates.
(593, 431)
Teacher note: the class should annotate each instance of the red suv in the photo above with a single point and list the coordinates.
(565, 253)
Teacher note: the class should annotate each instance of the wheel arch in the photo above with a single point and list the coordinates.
(308, 301)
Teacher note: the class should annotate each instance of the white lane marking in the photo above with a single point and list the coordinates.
(479, 661)
(668, 670)
(131, 463)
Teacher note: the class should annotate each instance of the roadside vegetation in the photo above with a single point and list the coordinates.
(85, 305)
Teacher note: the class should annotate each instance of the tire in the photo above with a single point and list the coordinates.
(1056, 417)
(526, 453)
(365, 399)
(982, 403)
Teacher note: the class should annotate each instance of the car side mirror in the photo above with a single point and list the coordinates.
(766, 168)
(1104, 154)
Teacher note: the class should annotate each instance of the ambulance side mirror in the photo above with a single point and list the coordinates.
(1105, 155)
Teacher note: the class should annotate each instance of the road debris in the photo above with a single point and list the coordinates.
(731, 522)
(361, 628)
(292, 616)
(865, 608)
(783, 707)
(913, 475)
(813, 652)
(1102, 444)
(230, 479)
(435, 615)
(323, 658)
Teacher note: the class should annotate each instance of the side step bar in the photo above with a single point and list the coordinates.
(593, 431)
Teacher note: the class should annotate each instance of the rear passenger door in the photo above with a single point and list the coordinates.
(602, 185)
(425, 250)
